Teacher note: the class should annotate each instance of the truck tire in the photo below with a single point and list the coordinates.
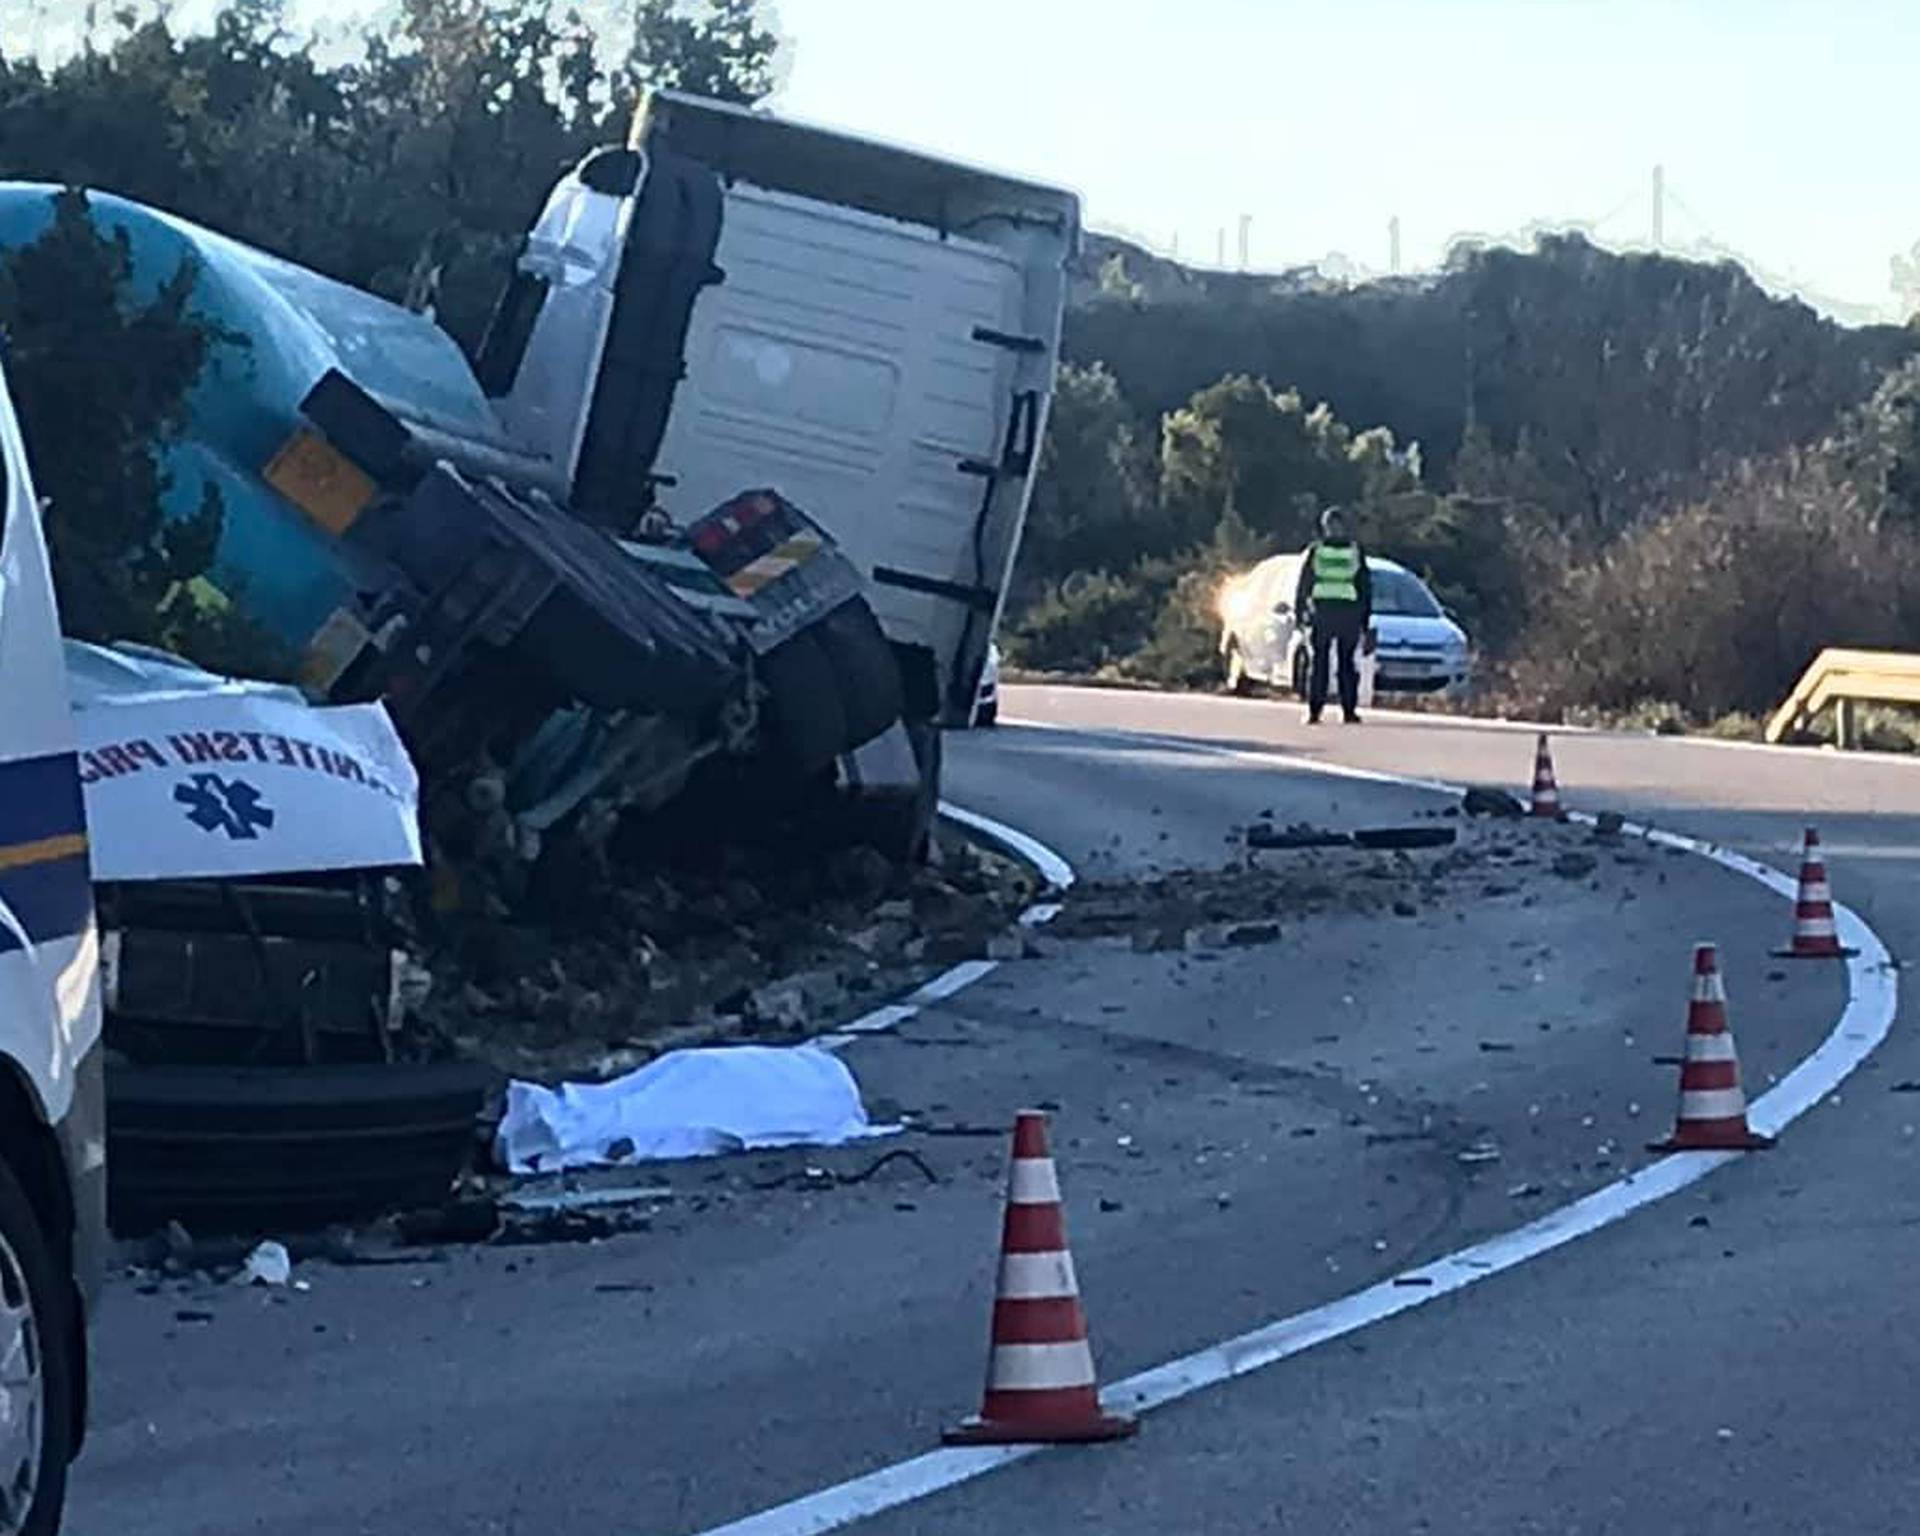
(871, 694)
(806, 714)
(227, 1149)
(34, 1335)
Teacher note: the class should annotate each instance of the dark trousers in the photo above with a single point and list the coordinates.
(1335, 627)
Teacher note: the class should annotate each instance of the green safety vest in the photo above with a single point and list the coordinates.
(1336, 573)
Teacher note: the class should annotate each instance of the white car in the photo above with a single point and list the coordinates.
(1420, 648)
(986, 703)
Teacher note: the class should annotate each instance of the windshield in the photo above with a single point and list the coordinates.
(1405, 596)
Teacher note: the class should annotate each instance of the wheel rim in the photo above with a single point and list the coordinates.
(23, 1395)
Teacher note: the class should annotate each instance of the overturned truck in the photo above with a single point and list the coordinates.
(737, 477)
(725, 505)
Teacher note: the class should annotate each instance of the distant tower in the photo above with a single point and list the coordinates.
(1906, 282)
(1393, 245)
(1246, 242)
(1659, 206)
(1222, 262)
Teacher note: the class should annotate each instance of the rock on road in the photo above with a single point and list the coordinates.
(1242, 1134)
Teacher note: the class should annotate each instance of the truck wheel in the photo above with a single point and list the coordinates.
(864, 667)
(37, 1378)
(806, 716)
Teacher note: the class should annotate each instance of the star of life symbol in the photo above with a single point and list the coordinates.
(231, 806)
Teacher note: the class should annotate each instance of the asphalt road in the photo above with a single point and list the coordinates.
(1242, 1134)
(1737, 1359)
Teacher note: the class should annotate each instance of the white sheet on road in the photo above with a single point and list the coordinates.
(698, 1103)
(192, 776)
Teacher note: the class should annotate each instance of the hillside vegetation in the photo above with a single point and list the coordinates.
(1636, 478)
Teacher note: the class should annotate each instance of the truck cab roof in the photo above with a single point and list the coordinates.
(783, 154)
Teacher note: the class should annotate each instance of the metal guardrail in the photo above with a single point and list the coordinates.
(1842, 681)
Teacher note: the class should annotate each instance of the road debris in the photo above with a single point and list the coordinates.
(1383, 839)
(588, 1199)
(457, 1222)
(1265, 836)
(813, 1177)
(723, 941)
(1480, 801)
(269, 1264)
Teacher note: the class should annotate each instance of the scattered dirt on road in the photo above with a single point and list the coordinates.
(751, 945)
(1250, 902)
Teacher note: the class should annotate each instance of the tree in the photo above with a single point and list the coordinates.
(122, 568)
(411, 166)
(1239, 447)
(1635, 381)
(1877, 450)
(1092, 496)
(1720, 605)
(719, 48)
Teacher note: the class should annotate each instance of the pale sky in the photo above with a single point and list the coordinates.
(1783, 125)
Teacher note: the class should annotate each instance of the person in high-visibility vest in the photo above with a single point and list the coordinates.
(1335, 596)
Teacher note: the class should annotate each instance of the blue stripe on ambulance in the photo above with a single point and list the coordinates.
(45, 881)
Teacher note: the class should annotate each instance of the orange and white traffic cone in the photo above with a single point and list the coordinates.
(1713, 1105)
(1546, 791)
(1814, 934)
(1041, 1387)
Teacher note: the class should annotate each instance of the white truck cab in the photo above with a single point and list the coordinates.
(52, 1110)
(739, 301)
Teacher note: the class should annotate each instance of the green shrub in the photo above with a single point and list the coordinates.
(1722, 605)
(1083, 624)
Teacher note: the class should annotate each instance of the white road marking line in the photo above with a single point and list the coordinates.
(1872, 997)
(1054, 870)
